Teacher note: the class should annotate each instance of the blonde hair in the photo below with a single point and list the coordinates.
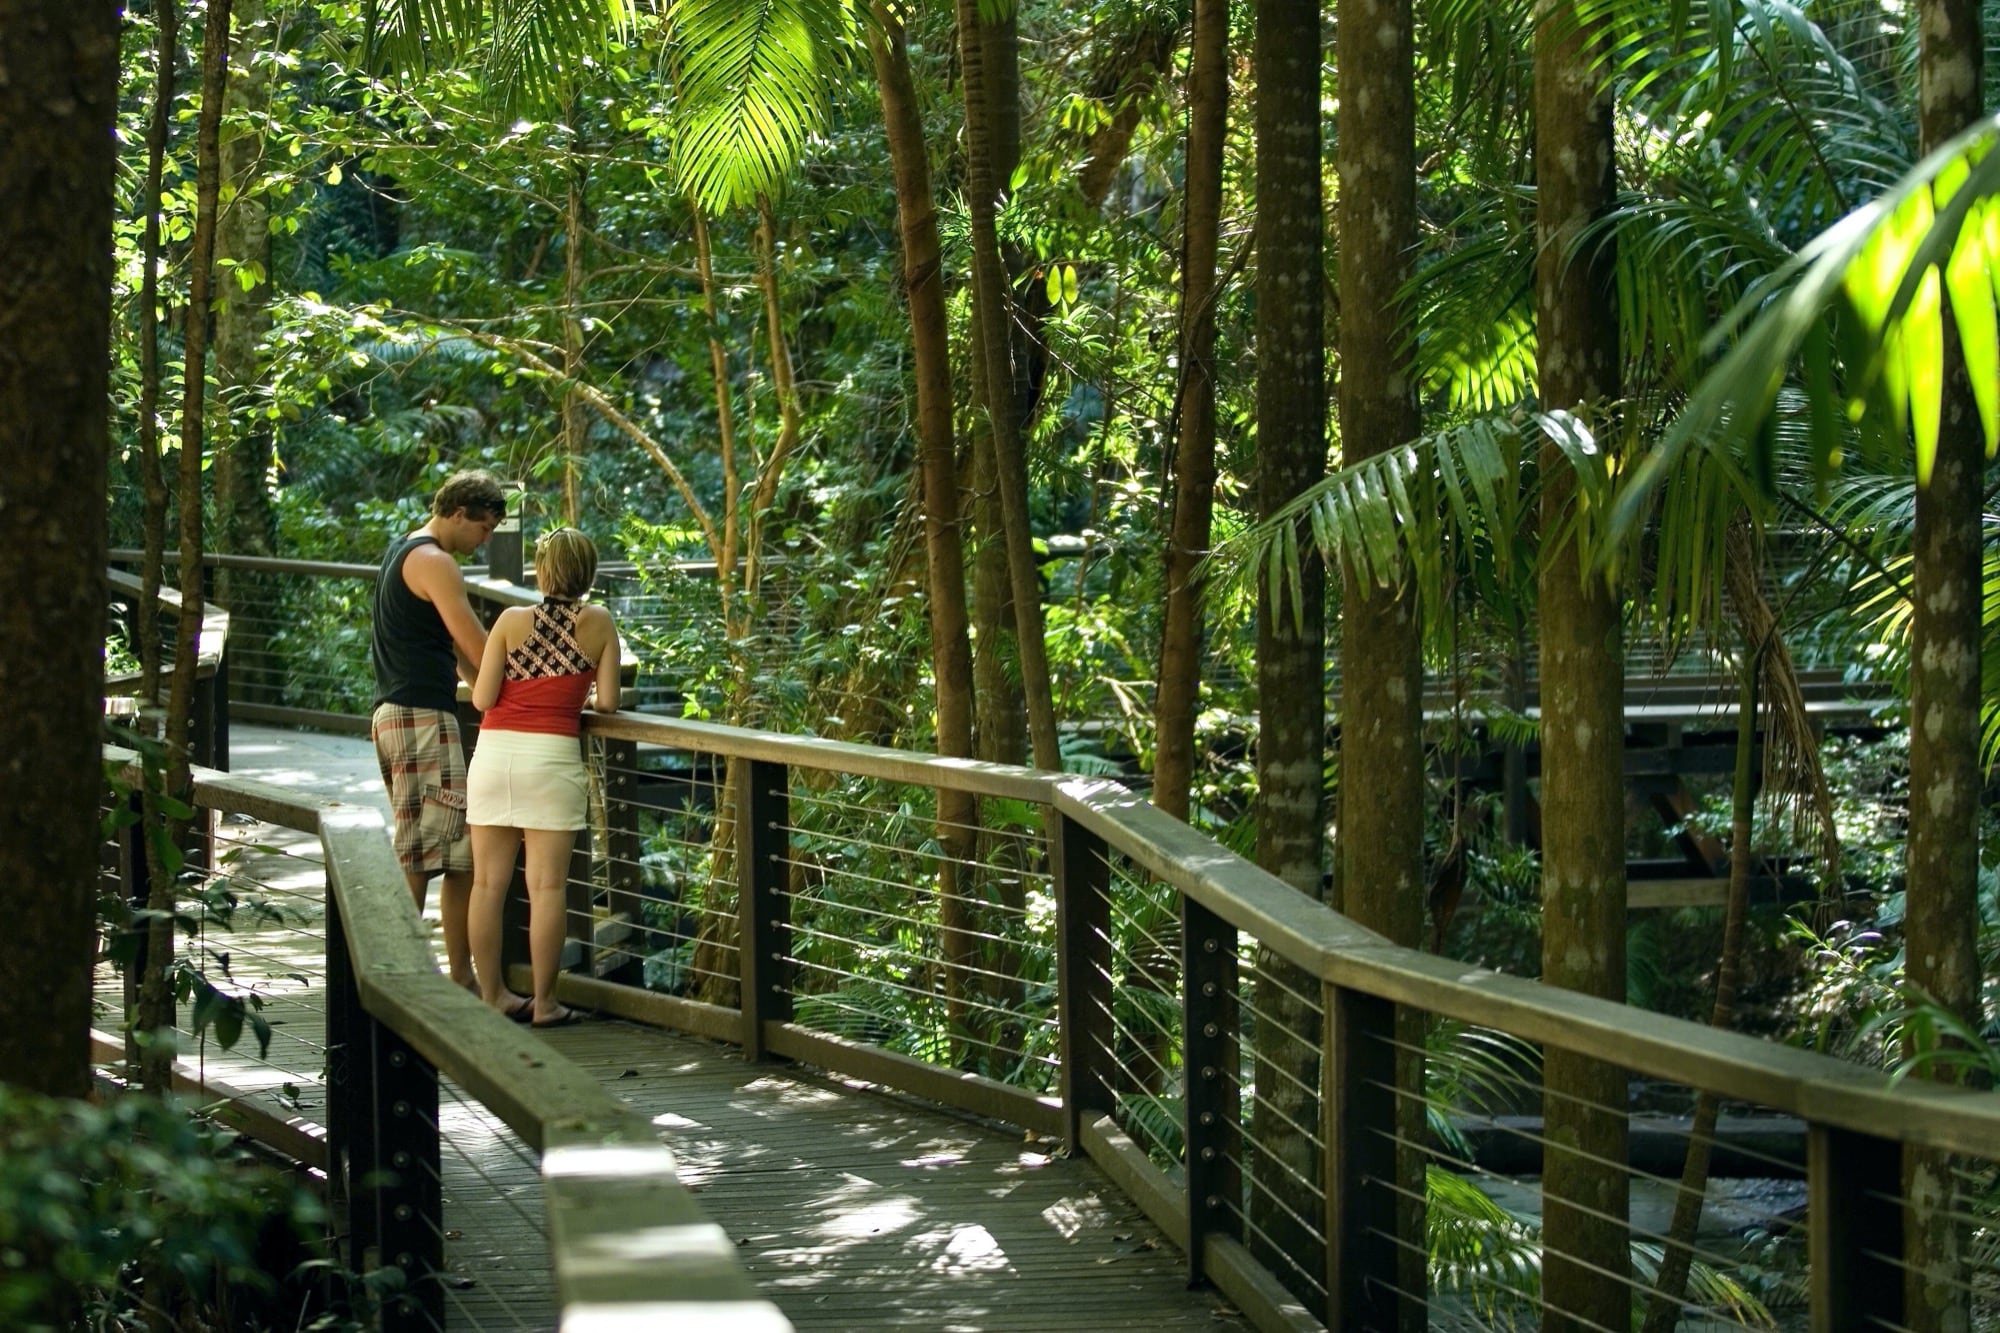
(565, 563)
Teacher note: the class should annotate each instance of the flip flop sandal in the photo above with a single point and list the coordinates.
(562, 1020)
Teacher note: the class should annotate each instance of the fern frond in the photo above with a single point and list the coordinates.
(755, 83)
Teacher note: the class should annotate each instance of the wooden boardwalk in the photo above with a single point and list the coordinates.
(853, 1209)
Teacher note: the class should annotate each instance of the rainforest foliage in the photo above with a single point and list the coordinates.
(1118, 387)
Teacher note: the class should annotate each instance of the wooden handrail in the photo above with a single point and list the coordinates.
(1337, 951)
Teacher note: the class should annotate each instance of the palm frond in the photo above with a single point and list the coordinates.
(755, 82)
(1391, 515)
(1476, 326)
(1867, 297)
(536, 46)
(414, 35)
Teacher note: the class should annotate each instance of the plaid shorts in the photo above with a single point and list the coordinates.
(423, 766)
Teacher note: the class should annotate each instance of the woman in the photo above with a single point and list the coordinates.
(526, 781)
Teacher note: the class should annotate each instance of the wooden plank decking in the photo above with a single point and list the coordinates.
(854, 1209)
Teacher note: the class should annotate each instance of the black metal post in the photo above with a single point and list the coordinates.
(383, 1151)
(579, 910)
(350, 1097)
(1854, 1226)
(1209, 1034)
(621, 826)
(1358, 1123)
(504, 549)
(1083, 970)
(137, 878)
(763, 842)
(407, 1184)
(218, 716)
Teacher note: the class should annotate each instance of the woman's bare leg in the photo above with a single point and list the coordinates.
(548, 880)
(493, 849)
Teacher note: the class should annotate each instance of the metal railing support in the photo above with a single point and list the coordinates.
(624, 846)
(763, 815)
(1358, 1123)
(1083, 971)
(1209, 1060)
(1854, 1226)
(136, 879)
(384, 1150)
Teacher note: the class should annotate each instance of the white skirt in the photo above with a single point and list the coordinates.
(526, 779)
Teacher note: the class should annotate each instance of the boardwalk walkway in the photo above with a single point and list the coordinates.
(854, 1210)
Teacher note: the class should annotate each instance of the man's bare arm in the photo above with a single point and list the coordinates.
(435, 577)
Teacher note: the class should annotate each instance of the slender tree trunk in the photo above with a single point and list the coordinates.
(1291, 651)
(951, 651)
(1943, 855)
(1382, 880)
(1002, 728)
(990, 310)
(243, 237)
(1585, 1252)
(576, 425)
(725, 431)
(241, 462)
(146, 615)
(156, 1000)
(1663, 1310)
(56, 168)
(772, 468)
(1178, 698)
(151, 646)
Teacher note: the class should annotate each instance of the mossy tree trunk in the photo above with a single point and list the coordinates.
(1586, 1255)
(1381, 653)
(56, 164)
(1943, 855)
(1291, 651)
(1178, 699)
(951, 650)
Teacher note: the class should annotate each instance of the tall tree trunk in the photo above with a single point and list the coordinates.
(990, 312)
(951, 651)
(1381, 847)
(1002, 728)
(56, 163)
(1291, 647)
(146, 615)
(242, 454)
(243, 238)
(1585, 1252)
(725, 433)
(1943, 855)
(156, 1000)
(575, 423)
(1178, 697)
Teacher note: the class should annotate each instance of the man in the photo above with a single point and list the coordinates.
(425, 639)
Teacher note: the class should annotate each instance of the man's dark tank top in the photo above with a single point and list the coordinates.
(414, 662)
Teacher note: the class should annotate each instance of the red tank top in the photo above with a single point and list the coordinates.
(547, 677)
